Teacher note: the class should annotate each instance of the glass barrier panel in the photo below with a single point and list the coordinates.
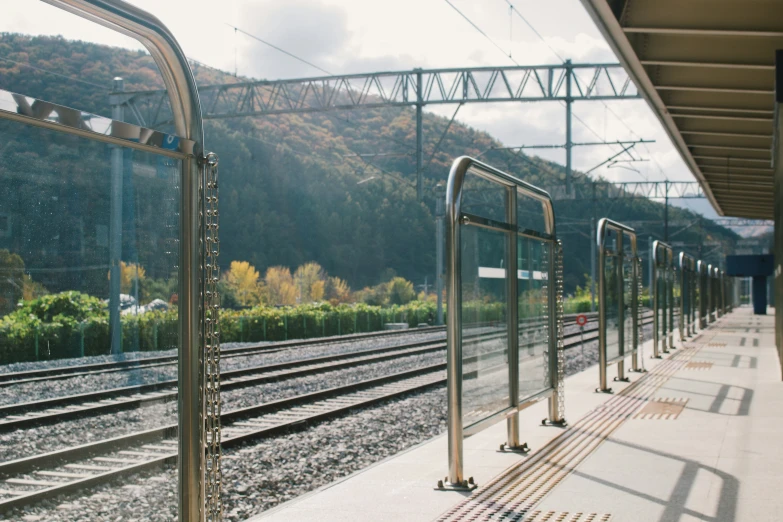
(531, 214)
(662, 299)
(611, 306)
(484, 324)
(628, 287)
(676, 297)
(78, 207)
(532, 296)
(484, 198)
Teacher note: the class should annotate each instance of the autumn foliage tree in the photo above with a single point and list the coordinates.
(242, 280)
(310, 279)
(337, 291)
(280, 286)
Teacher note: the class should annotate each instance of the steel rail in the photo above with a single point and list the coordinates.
(241, 427)
(158, 445)
(54, 410)
(12, 378)
(27, 376)
(23, 415)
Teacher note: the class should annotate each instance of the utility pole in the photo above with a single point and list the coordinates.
(439, 240)
(666, 213)
(115, 227)
(419, 137)
(568, 141)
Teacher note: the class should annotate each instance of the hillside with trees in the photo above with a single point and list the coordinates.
(306, 188)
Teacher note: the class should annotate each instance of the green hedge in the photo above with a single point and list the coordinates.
(71, 325)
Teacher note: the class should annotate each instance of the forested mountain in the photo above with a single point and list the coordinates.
(298, 188)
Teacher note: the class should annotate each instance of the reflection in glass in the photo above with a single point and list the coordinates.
(662, 299)
(531, 214)
(611, 306)
(484, 198)
(484, 325)
(59, 194)
(676, 298)
(532, 290)
(628, 286)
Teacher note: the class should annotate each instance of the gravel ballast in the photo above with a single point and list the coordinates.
(47, 389)
(264, 474)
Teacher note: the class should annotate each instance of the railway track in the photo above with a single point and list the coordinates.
(49, 411)
(54, 410)
(28, 480)
(67, 372)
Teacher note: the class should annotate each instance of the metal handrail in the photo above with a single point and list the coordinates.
(623, 231)
(687, 287)
(710, 293)
(186, 112)
(664, 261)
(455, 219)
(701, 268)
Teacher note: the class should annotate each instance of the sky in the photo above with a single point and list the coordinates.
(355, 36)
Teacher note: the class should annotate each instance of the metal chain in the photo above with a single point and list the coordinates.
(640, 312)
(213, 505)
(545, 260)
(560, 330)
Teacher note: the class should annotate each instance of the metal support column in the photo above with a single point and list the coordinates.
(419, 138)
(620, 278)
(439, 244)
(650, 255)
(666, 212)
(568, 141)
(512, 323)
(115, 227)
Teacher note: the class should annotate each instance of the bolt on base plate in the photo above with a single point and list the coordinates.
(522, 448)
(465, 485)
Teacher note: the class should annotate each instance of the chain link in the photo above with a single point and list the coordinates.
(640, 312)
(560, 331)
(213, 478)
(545, 311)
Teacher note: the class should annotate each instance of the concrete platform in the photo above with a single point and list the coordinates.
(696, 438)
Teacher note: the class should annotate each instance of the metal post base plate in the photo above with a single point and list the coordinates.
(522, 448)
(562, 423)
(465, 485)
(624, 379)
(607, 390)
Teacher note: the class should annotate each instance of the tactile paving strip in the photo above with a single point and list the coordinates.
(512, 495)
(699, 365)
(662, 409)
(564, 516)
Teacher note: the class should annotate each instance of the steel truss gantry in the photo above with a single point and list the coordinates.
(566, 83)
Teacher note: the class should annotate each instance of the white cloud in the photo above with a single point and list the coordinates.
(349, 36)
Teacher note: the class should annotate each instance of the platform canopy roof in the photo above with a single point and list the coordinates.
(707, 68)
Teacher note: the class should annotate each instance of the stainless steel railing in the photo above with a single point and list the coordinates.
(498, 217)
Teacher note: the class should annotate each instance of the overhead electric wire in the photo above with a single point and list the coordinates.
(532, 28)
(280, 49)
(514, 9)
(485, 35)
